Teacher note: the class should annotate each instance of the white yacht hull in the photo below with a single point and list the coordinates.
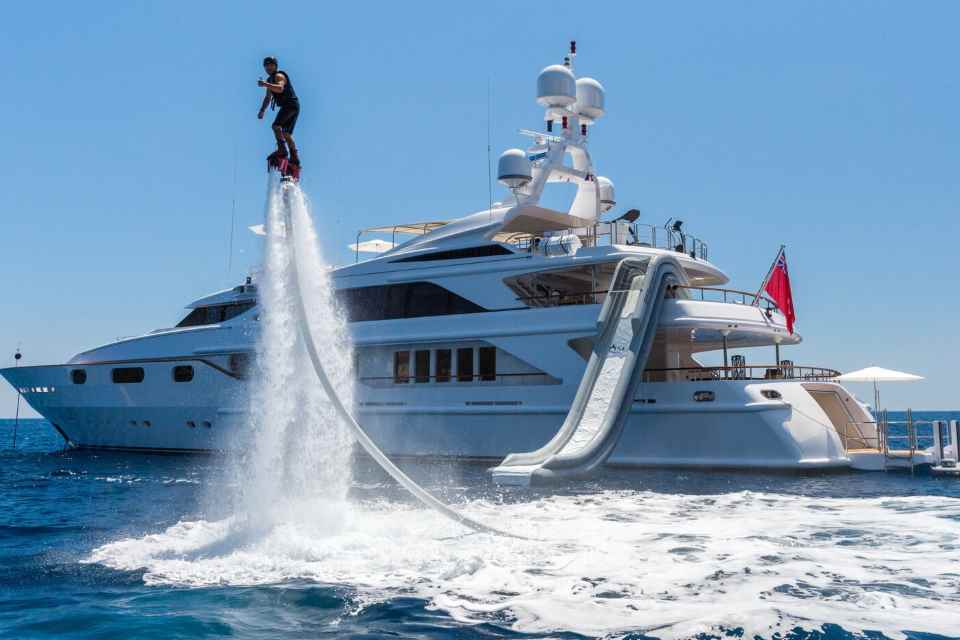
(738, 429)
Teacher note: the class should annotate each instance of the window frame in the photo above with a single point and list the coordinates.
(491, 374)
(401, 361)
(127, 375)
(448, 376)
(461, 375)
(182, 368)
(421, 357)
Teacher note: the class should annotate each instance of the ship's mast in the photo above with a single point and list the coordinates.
(573, 105)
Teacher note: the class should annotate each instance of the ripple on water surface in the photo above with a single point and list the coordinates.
(670, 553)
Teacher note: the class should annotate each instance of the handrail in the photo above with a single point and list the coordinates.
(620, 232)
(455, 377)
(753, 297)
(746, 372)
(589, 297)
(582, 295)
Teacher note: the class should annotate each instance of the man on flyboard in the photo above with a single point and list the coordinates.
(280, 94)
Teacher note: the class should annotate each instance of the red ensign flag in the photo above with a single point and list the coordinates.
(778, 286)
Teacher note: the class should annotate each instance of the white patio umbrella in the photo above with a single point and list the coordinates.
(875, 375)
(372, 246)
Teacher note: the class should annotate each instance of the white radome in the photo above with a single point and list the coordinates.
(607, 194)
(556, 87)
(513, 168)
(590, 103)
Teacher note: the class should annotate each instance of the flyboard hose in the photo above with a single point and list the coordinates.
(369, 446)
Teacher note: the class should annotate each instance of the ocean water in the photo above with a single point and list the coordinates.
(105, 545)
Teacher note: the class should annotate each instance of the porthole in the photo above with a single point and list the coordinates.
(207, 424)
(704, 396)
(127, 375)
(182, 373)
(191, 424)
(78, 376)
(771, 394)
(146, 423)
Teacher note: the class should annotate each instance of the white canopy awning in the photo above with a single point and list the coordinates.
(877, 374)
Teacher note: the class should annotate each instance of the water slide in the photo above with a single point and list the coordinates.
(627, 326)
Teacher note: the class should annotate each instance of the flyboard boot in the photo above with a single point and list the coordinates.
(278, 159)
(292, 171)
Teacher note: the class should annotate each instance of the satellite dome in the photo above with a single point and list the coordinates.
(590, 99)
(513, 168)
(607, 194)
(556, 87)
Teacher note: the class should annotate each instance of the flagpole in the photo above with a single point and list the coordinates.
(766, 278)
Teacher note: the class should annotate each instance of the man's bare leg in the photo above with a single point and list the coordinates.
(294, 157)
(281, 147)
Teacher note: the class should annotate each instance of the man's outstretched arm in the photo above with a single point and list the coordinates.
(264, 105)
(275, 87)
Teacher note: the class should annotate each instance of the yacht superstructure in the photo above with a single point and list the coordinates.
(471, 337)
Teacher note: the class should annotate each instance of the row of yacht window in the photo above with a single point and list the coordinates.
(134, 375)
(445, 365)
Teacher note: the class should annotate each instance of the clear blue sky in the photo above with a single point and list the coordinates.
(831, 127)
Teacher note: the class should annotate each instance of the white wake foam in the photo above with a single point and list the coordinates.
(617, 560)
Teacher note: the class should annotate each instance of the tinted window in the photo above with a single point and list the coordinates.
(395, 302)
(78, 376)
(464, 365)
(406, 300)
(488, 363)
(422, 361)
(401, 366)
(456, 254)
(444, 364)
(182, 373)
(426, 299)
(127, 375)
(215, 314)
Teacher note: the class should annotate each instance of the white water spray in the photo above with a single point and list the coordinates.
(296, 453)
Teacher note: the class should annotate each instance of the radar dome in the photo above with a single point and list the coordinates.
(513, 169)
(590, 99)
(607, 194)
(556, 87)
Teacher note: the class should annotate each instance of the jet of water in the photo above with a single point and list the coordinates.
(295, 452)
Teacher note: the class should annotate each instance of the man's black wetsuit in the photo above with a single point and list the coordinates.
(287, 101)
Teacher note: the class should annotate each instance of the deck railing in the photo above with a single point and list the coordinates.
(745, 372)
(620, 232)
(707, 294)
(729, 296)
(455, 378)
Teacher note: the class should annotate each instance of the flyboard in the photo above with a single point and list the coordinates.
(287, 169)
(287, 190)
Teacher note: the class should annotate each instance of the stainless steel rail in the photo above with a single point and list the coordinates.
(751, 372)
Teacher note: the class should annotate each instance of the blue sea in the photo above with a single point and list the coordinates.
(110, 545)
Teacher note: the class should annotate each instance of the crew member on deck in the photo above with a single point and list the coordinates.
(280, 94)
